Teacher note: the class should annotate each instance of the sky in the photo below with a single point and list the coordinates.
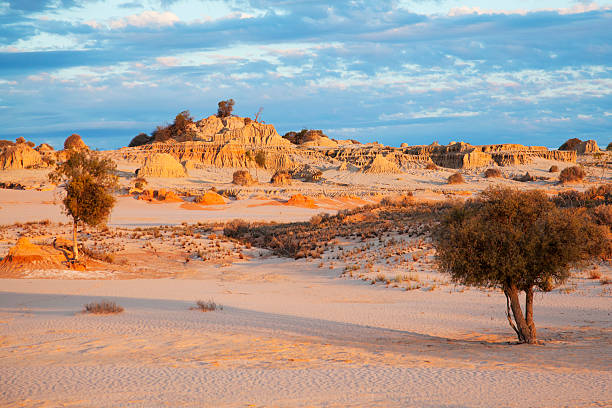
(392, 71)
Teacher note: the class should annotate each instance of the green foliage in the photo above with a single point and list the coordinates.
(225, 108)
(303, 136)
(140, 139)
(515, 239)
(89, 183)
(180, 130)
(571, 144)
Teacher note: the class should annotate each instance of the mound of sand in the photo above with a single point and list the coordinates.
(20, 156)
(26, 255)
(300, 200)
(281, 178)
(162, 165)
(164, 195)
(74, 142)
(380, 165)
(210, 198)
(243, 178)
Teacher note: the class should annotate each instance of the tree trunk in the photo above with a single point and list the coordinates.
(529, 315)
(75, 248)
(523, 331)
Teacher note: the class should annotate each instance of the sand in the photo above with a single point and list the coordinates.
(292, 333)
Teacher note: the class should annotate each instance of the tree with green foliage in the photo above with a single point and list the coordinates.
(225, 108)
(516, 241)
(89, 182)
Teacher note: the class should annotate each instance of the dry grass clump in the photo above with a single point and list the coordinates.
(605, 281)
(456, 178)
(593, 197)
(594, 274)
(489, 173)
(571, 174)
(281, 178)
(207, 306)
(431, 166)
(553, 169)
(524, 178)
(102, 307)
(243, 178)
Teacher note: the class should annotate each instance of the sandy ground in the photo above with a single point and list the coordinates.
(292, 333)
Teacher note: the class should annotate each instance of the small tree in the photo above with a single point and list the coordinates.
(89, 182)
(225, 108)
(515, 241)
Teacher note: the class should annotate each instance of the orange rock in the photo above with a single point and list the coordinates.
(300, 200)
(210, 198)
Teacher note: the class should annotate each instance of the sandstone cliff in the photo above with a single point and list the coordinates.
(161, 165)
(20, 156)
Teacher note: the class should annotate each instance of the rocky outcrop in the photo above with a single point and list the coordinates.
(162, 165)
(580, 147)
(20, 156)
(28, 256)
(380, 165)
(210, 198)
(299, 200)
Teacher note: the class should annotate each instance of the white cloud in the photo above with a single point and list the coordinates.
(576, 9)
(146, 19)
(437, 113)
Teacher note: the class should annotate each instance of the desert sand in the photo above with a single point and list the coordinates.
(371, 323)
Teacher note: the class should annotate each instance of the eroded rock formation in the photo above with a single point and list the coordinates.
(162, 165)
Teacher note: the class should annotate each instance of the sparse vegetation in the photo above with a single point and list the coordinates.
(89, 182)
(572, 174)
(180, 130)
(243, 178)
(570, 144)
(456, 178)
(431, 166)
(515, 241)
(553, 169)
(102, 307)
(489, 173)
(207, 306)
(225, 108)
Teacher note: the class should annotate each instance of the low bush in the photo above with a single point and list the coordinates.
(207, 306)
(242, 178)
(553, 169)
(572, 174)
(431, 166)
(489, 173)
(102, 307)
(456, 178)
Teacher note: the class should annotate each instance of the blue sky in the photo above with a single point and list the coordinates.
(393, 71)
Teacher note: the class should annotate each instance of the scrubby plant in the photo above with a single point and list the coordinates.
(207, 306)
(242, 178)
(515, 241)
(225, 108)
(489, 173)
(609, 147)
(553, 169)
(572, 174)
(431, 166)
(456, 178)
(102, 307)
(180, 130)
(140, 139)
(570, 144)
(89, 182)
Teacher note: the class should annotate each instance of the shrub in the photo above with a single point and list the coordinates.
(571, 144)
(102, 307)
(225, 108)
(207, 306)
(74, 141)
(571, 174)
(247, 121)
(609, 147)
(492, 173)
(140, 139)
(594, 274)
(243, 178)
(456, 178)
(553, 169)
(524, 178)
(515, 241)
(281, 178)
(431, 166)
